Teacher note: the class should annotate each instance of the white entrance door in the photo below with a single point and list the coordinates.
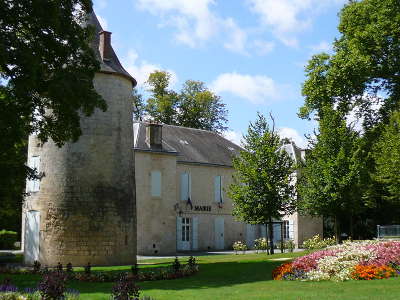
(250, 235)
(183, 234)
(219, 233)
(32, 223)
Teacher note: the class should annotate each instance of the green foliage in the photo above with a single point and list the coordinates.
(162, 104)
(239, 246)
(261, 244)
(316, 242)
(138, 105)
(194, 106)
(361, 77)
(46, 65)
(329, 185)
(176, 265)
(289, 245)
(387, 156)
(8, 239)
(261, 188)
(364, 65)
(200, 108)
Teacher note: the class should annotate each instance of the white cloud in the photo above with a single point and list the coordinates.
(196, 23)
(141, 69)
(263, 47)
(193, 19)
(286, 18)
(292, 134)
(238, 37)
(234, 136)
(103, 22)
(256, 89)
(323, 46)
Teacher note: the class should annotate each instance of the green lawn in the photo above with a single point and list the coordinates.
(241, 277)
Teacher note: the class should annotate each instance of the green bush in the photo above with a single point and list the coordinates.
(316, 242)
(7, 239)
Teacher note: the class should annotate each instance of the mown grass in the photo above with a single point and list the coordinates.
(223, 277)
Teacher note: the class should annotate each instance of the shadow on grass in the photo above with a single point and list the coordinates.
(210, 275)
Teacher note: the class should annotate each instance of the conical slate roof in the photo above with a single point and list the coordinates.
(112, 64)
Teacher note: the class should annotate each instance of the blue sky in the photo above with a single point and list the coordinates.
(250, 52)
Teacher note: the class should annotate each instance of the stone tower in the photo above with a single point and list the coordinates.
(83, 209)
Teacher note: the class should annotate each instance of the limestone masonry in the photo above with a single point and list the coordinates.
(83, 209)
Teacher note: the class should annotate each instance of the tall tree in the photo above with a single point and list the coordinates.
(194, 106)
(46, 65)
(162, 104)
(387, 155)
(138, 105)
(364, 67)
(200, 108)
(361, 76)
(329, 185)
(262, 188)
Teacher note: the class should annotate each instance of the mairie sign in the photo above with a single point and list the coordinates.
(202, 208)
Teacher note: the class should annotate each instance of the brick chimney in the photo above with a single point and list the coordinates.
(154, 135)
(105, 45)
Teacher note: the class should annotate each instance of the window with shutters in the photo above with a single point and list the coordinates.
(156, 184)
(285, 229)
(185, 186)
(218, 192)
(33, 185)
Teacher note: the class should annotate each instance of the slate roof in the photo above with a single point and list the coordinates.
(113, 64)
(190, 145)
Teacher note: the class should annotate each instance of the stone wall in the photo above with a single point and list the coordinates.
(86, 199)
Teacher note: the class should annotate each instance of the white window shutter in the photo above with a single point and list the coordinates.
(189, 190)
(218, 189)
(178, 232)
(156, 183)
(195, 234)
(34, 184)
(184, 186)
(291, 229)
(263, 231)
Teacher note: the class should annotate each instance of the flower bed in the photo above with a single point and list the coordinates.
(365, 260)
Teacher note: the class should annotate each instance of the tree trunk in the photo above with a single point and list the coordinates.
(351, 226)
(271, 235)
(337, 230)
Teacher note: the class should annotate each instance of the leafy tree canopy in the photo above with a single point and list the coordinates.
(387, 155)
(329, 182)
(363, 71)
(46, 79)
(262, 188)
(194, 106)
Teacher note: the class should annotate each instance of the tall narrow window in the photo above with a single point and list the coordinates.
(218, 193)
(155, 183)
(286, 230)
(185, 186)
(33, 185)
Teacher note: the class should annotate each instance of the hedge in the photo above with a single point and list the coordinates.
(8, 239)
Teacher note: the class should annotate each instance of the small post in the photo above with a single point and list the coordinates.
(378, 233)
(281, 236)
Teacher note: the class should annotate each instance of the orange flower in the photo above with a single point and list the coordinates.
(278, 272)
(370, 272)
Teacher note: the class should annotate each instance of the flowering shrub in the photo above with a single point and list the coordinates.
(351, 260)
(125, 289)
(280, 271)
(289, 245)
(261, 244)
(370, 272)
(239, 246)
(316, 242)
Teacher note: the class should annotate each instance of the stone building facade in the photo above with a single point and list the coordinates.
(83, 208)
(182, 175)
